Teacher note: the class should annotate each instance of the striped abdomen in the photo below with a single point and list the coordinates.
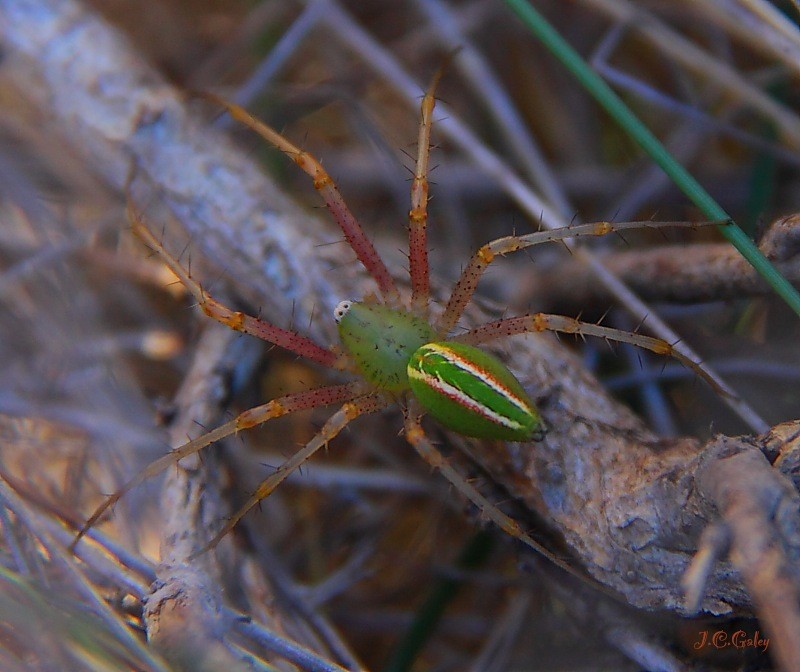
(473, 393)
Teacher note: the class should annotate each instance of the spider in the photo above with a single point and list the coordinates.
(400, 353)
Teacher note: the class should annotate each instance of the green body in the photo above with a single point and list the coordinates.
(463, 387)
(472, 392)
(381, 340)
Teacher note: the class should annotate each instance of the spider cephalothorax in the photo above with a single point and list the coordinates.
(381, 340)
(396, 352)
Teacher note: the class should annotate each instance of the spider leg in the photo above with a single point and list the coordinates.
(466, 284)
(290, 340)
(567, 325)
(335, 424)
(416, 436)
(250, 418)
(418, 215)
(324, 184)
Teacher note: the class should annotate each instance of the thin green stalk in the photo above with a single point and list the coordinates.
(603, 94)
(473, 555)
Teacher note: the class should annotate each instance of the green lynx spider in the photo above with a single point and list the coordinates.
(421, 369)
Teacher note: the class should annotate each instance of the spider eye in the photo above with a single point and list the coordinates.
(341, 310)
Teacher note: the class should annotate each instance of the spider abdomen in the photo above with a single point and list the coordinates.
(472, 392)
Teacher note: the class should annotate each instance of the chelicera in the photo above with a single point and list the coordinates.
(398, 352)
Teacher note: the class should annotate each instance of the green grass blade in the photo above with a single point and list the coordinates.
(473, 555)
(650, 144)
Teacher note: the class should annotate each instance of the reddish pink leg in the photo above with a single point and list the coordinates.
(480, 261)
(335, 424)
(323, 183)
(418, 215)
(567, 325)
(290, 403)
(292, 341)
